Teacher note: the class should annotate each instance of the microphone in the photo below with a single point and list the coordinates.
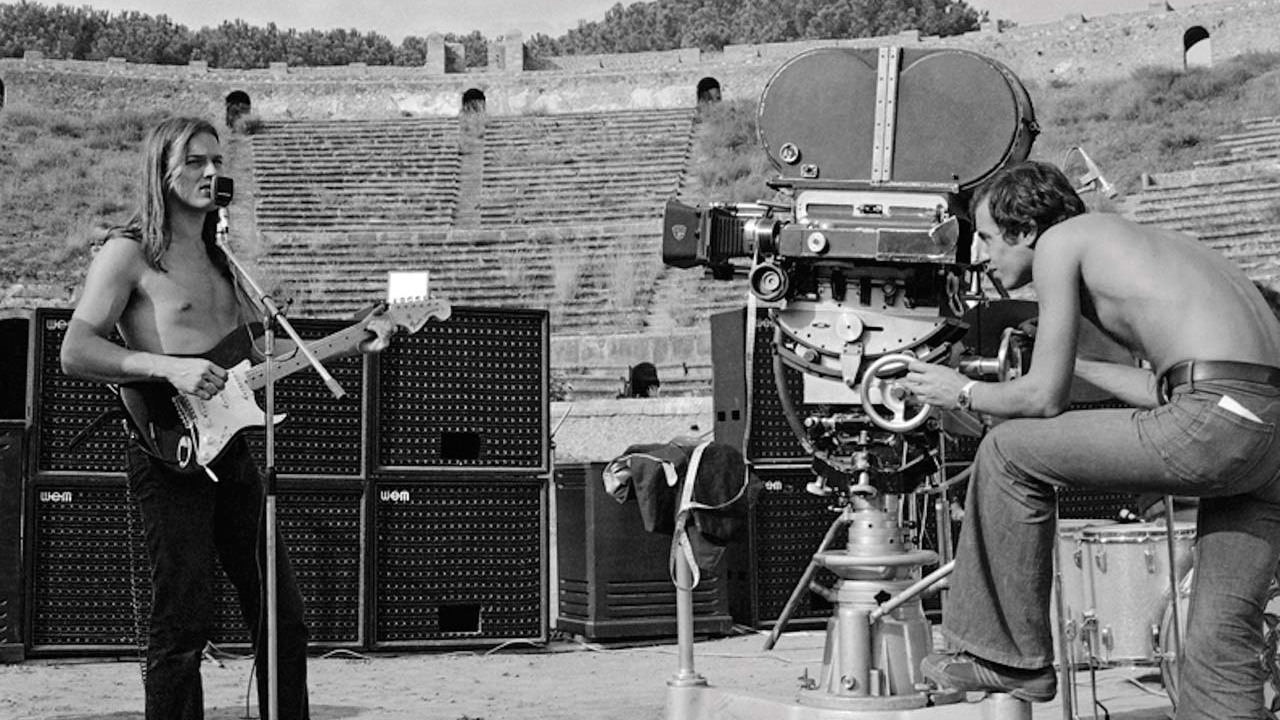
(223, 189)
(1095, 175)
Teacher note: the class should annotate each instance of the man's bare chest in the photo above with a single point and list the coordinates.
(184, 310)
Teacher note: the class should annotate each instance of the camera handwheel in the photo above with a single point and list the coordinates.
(883, 376)
(1011, 353)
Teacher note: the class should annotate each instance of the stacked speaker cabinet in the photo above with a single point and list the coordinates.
(787, 523)
(12, 436)
(15, 361)
(461, 454)
(414, 507)
(87, 573)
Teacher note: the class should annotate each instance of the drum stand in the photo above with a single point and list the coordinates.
(876, 637)
(1066, 648)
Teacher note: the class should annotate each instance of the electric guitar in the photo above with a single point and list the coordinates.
(190, 433)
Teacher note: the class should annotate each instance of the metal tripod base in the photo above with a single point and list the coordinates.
(705, 702)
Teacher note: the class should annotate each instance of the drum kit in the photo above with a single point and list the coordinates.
(1113, 605)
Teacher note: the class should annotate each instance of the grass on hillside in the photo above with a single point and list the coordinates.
(61, 178)
(1157, 120)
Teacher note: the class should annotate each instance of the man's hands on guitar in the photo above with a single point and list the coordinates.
(380, 328)
(195, 376)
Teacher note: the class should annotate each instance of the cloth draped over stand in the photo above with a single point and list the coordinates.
(698, 492)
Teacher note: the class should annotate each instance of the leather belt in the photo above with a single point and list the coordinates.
(1193, 371)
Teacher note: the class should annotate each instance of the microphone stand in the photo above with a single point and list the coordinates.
(271, 314)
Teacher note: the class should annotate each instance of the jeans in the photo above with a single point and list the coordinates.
(187, 520)
(998, 608)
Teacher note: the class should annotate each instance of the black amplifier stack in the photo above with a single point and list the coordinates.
(414, 508)
(787, 523)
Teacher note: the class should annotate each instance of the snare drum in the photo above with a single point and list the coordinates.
(1072, 578)
(1127, 587)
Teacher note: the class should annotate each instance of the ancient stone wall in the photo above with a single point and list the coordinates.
(1069, 49)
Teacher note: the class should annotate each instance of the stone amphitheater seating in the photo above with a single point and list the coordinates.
(590, 278)
(549, 170)
(1231, 202)
(356, 174)
(567, 213)
(1258, 140)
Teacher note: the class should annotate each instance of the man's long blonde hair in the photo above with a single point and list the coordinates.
(163, 156)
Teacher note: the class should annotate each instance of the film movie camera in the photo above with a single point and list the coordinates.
(863, 259)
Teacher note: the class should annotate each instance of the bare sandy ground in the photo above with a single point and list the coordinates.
(561, 681)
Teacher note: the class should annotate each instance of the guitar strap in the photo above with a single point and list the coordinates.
(115, 413)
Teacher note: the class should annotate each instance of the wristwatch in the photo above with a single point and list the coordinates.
(965, 398)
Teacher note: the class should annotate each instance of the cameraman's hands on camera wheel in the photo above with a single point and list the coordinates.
(934, 384)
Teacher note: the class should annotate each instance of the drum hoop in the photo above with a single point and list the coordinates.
(1121, 534)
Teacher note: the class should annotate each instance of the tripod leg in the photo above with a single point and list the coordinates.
(803, 584)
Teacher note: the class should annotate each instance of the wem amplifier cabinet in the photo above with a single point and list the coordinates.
(321, 435)
(89, 581)
(771, 440)
(614, 577)
(464, 395)
(414, 508)
(787, 524)
(458, 560)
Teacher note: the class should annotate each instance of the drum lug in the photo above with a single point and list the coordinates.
(1150, 559)
(1089, 632)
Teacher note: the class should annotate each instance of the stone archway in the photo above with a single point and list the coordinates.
(238, 105)
(1197, 48)
(708, 90)
(473, 101)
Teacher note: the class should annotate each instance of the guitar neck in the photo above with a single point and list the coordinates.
(338, 343)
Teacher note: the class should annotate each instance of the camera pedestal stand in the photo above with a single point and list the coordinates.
(873, 664)
(875, 641)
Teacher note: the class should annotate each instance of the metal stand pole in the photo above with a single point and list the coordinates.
(272, 315)
(685, 674)
(1176, 635)
(841, 520)
(273, 615)
(1066, 657)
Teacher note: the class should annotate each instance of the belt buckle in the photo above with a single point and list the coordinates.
(1163, 381)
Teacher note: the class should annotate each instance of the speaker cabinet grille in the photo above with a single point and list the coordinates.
(459, 561)
(771, 440)
(468, 393)
(65, 406)
(322, 435)
(88, 571)
(322, 528)
(787, 526)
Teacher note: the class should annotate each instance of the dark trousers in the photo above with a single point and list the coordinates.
(188, 520)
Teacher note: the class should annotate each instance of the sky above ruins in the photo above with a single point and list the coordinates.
(398, 18)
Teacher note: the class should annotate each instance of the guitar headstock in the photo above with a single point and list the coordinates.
(410, 315)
